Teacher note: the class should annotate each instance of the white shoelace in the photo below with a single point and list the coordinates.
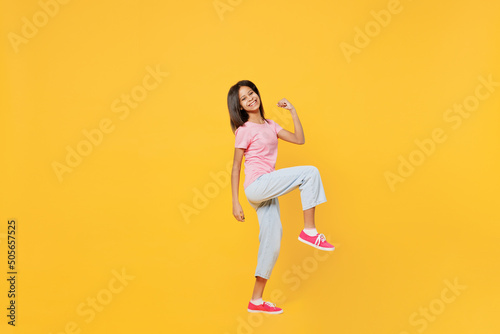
(319, 239)
(270, 304)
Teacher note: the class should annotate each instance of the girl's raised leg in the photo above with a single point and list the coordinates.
(309, 218)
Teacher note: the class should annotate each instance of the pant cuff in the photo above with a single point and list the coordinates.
(262, 275)
(312, 205)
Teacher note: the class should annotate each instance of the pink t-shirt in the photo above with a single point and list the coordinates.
(260, 142)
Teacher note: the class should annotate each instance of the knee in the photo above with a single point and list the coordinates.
(276, 235)
(275, 250)
(312, 170)
(275, 241)
(271, 245)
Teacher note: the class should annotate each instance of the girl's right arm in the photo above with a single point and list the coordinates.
(235, 184)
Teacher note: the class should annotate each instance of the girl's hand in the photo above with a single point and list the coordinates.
(238, 212)
(284, 103)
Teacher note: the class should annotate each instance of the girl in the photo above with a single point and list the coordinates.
(256, 138)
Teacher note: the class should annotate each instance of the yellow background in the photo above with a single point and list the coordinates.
(121, 208)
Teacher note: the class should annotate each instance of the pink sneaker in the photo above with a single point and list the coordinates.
(265, 307)
(318, 241)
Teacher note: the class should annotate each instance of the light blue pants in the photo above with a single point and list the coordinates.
(262, 194)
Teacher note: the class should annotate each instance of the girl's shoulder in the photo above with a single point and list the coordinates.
(272, 122)
(240, 127)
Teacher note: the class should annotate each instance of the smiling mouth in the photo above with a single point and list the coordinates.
(252, 104)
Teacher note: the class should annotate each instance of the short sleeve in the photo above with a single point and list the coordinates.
(242, 138)
(277, 127)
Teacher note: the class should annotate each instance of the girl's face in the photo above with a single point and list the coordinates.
(249, 100)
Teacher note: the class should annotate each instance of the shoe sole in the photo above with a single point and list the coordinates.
(258, 311)
(316, 246)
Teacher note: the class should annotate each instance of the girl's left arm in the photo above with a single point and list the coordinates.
(296, 137)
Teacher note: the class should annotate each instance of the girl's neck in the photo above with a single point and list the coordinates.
(256, 118)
